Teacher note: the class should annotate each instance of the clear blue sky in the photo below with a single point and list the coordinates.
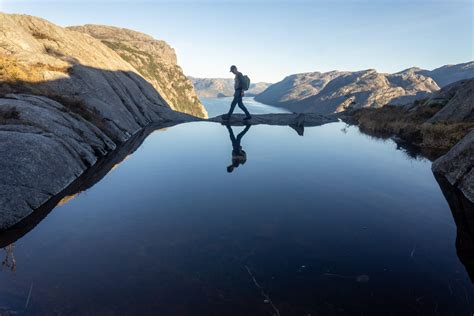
(271, 39)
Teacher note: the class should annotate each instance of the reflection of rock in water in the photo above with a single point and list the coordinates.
(298, 128)
(411, 150)
(9, 262)
(463, 214)
(85, 181)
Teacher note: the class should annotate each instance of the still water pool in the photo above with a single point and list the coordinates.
(334, 222)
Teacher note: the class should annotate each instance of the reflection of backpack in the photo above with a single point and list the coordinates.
(245, 83)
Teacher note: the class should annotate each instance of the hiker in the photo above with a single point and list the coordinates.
(241, 83)
(239, 156)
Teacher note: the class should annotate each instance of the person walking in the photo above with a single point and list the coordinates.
(238, 94)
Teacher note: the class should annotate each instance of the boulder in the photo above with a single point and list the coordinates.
(457, 166)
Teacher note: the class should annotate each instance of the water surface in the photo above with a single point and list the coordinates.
(334, 222)
(218, 106)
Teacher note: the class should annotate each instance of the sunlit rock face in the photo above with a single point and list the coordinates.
(155, 60)
(338, 91)
(78, 71)
(66, 100)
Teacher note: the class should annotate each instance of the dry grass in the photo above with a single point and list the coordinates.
(444, 135)
(411, 126)
(41, 36)
(13, 71)
(19, 77)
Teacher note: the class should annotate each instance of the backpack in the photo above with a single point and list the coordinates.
(245, 83)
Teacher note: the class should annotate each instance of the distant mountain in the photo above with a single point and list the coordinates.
(223, 87)
(337, 91)
(448, 74)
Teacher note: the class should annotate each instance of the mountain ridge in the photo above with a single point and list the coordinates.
(223, 87)
(336, 91)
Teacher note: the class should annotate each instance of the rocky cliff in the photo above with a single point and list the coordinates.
(219, 87)
(338, 91)
(457, 166)
(66, 100)
(458, 100)
(155, 60)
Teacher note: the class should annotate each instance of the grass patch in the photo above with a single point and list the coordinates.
(14, 71)
(41, 36)
(410, 125)
(18, 77)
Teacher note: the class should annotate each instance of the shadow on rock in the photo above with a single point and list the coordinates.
(463, 214)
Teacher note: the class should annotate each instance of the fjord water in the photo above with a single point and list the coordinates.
(218, 106)
(334, 222)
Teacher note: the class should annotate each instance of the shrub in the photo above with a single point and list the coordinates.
(8, 114)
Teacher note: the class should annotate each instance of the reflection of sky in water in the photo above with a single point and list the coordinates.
(327, 222)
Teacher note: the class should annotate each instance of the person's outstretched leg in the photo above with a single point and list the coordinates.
(232, 107)
(242, 106)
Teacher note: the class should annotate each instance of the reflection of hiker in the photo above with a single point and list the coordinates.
(239, 156)
(241, 83)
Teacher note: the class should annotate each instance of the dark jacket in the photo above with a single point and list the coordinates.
(238, 84)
